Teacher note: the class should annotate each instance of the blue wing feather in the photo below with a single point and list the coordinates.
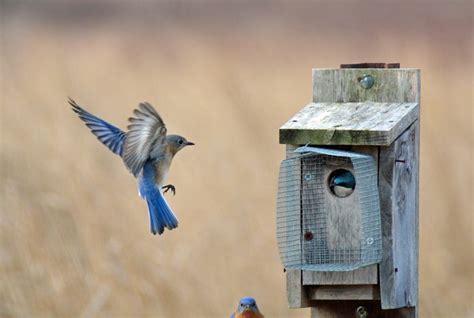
(109, 135)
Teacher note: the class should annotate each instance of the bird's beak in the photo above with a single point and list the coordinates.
(247, 308)
(189, 143)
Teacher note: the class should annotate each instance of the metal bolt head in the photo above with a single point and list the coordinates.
(370, 240)
(307, 176)
(366, 81)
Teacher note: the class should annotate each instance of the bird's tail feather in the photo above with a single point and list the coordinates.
(161, 215)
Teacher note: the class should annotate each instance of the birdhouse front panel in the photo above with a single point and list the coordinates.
(328, 215)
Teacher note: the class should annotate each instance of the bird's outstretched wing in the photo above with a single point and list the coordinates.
(146, 130)
(108, 134)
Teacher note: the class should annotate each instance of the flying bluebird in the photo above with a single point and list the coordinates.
(147, 152)
(342, 183)
(247, 309)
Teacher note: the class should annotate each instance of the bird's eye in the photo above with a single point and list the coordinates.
(181, 141)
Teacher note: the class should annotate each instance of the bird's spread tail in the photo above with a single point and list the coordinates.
(161, 215)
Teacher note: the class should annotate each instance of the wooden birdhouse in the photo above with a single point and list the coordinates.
(347, 207)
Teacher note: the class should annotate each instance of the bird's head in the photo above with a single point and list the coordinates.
(342, 178)
(177, 142)
(247, 304)
(342, 183)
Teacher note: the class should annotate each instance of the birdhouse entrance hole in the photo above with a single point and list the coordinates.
(341, 183)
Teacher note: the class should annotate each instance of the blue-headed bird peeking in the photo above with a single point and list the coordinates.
(342, 182)
(147, 152)
(247, 308)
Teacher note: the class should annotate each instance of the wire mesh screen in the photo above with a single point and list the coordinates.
(328, 212)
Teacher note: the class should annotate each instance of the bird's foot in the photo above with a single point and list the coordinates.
(168, 188)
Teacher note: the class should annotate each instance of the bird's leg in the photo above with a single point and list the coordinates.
(169, 187)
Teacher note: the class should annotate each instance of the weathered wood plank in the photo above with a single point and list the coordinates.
(333, 223)
(347, 309)
(344, 292)
(342, 85)
(344, 215)
(365, 123)
(295, 291)
(314, 240)
(297, 297)
(365, 275)
(398, 182)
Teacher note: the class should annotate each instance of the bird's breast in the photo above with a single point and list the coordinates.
(162, 167)
(248, 314)
(342, 191)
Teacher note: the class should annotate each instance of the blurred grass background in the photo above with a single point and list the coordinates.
(74, 235)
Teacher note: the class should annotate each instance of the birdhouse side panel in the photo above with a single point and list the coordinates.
(398, 179)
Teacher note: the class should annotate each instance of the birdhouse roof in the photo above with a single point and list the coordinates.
(364, 123)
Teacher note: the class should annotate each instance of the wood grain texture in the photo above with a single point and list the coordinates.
(364, 123)
(342, 85)
(365, 275)
(334, 223)
(344, 292)
(313, 218)
(398, 182)
(344, 215)
(296, 293)
(347, 309)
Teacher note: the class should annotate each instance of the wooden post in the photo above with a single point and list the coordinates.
(379, 117)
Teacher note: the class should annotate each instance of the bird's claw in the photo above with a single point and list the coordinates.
(169, 187)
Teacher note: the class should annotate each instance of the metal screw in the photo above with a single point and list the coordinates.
(361, 312)
(308, 236)
(307, 176)
(370, 240)
(366, 81)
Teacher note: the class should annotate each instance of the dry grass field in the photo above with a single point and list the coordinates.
(74, 235)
